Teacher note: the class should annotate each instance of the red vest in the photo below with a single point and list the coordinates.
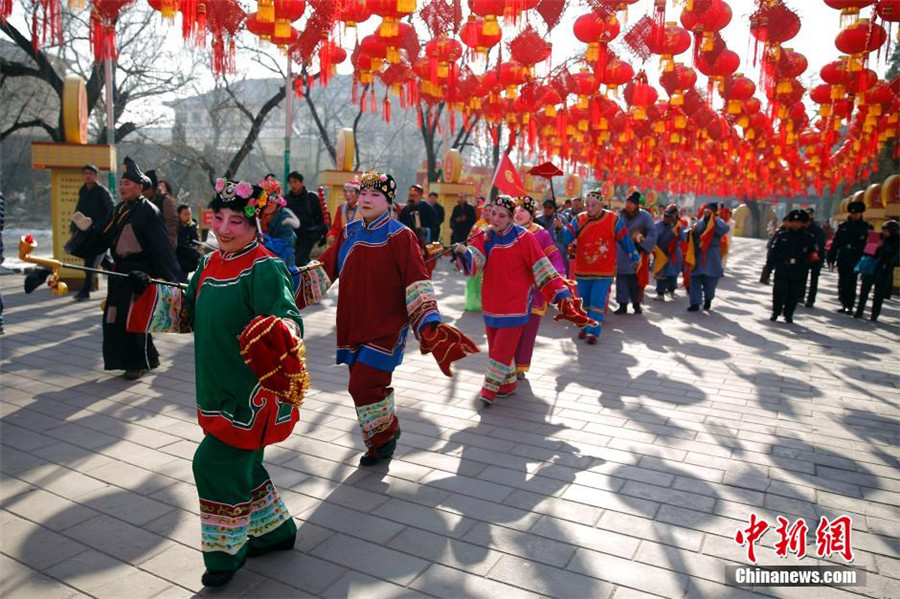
(596, 252)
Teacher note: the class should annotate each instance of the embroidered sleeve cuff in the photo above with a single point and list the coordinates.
(421, 306)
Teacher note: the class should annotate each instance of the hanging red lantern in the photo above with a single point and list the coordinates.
(677, 80)
(705, 18)
(639, 95)
(330, 55)
(617, 72)
(391, 11)
(862, 37)
(772, 25)
(489, 10)
(104, 15)
(849, 8)
(511, 75)
(286, 12)
(735, 91)
(355, 12)
(584, 84)
(668, 41)
(472, 35)
(166, 8)
(442, 51)
(393, 37)
(596, 29)
(888, 10)
(223, 20)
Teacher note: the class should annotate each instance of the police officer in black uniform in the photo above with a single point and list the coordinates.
(818, 234)
(793, 251)
(846, 250)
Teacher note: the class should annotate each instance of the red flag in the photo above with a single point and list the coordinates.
(506, 178)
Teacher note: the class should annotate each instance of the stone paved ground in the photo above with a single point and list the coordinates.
(620, 470)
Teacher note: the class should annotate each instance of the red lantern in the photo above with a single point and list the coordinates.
(472, 35)
(668, 41)
(889, 10)
(104, 15)
(726, 63)
(489, 10)
(676, 81)
(860, 38)
(639, 95)
(584, 84)
(166, 8)
(511, 75)
(354, 12)
(442, 51)
(596, 30)
(735, 90)
(391, 11)
(705, 18)
(393, 36)
(286, 12)
(617, 72)
(849, 7)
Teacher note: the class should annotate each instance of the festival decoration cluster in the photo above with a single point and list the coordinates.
(489, 62)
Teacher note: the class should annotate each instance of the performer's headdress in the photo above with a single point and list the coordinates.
(506, 203)
(528, 203)
(240, 196)
(352, 183)
(382, 182)
(597, 193)
(273, 190)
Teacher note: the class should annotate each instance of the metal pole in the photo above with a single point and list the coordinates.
(110, 123)
(288, 125)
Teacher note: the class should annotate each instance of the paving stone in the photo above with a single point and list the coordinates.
(399, 568)
(442, 581)
(628, 573)
(552, 582)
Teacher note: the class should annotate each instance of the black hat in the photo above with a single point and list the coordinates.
(810, 210)
(153, 181)
(793, 216)
(133, 172)
(507, 203)
(804, 216)
(634, 197)
(714, 206)
(892, 226)
(856, 207)
(90, 167)
(549, 202)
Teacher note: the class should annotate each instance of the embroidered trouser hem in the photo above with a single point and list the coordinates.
(239, 505)
(374, 400)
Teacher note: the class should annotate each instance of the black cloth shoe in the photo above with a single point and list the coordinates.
(808, 304)
(285, 545)
(638, 309)
(694, 308)
(81, 298)
(217, 578)
(789, 319)
(707, 305)
(773, 318)
(857, 315)
(622, 309)
(385, 452)
(133, 375)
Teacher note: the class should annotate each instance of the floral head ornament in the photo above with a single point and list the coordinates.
(382, 182)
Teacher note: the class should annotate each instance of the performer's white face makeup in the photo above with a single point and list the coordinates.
(372, 204)
(233, 230)
(522, 217)
(500, 219)
(594, 206)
